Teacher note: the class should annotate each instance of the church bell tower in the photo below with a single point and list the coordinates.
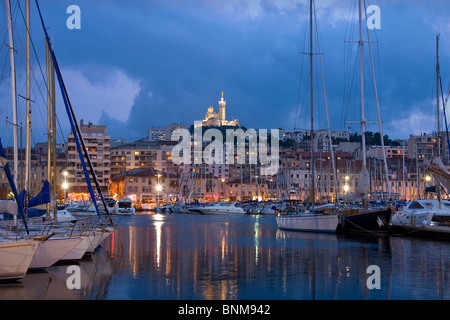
(222, 104)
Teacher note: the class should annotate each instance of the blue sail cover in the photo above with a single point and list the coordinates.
(42, 198)
(5, 166)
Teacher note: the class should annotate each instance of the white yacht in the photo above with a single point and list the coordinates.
(220, 208)
(124, 206)
(422, 212)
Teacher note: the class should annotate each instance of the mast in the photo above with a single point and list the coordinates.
(361, 77)
(437, 98)
(438, 140)
(28, 109)
(313, 174)
(378, 110)
(53, 132)
(14, 93)
(49, 136)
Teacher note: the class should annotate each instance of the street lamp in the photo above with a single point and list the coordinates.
(65, 185)
(158, 188)
(223, 189)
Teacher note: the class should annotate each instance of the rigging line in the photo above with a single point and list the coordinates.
(348, 57)
(74, 125)
(349, 97)
(301, 64)
(326, 110)
(6, 58)
(33, 75)
(33, 47)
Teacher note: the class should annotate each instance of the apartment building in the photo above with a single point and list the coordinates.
(97, 143)
(143, 154)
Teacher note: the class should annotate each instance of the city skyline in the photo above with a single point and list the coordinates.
(143, 64)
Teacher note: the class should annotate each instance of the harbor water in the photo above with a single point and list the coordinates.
(243, 257)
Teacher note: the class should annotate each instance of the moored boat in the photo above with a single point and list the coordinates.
(220, 208)
(124, 206)
(16, 257)
(376, 220)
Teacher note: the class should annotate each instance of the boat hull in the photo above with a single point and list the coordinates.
(99, 236)
(377, 220)
(15, 258)
(308, 222)
(52, 250)
(78, 252)
(125, 212)
(219, 211)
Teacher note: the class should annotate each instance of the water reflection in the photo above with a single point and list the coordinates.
(234, 257)
(158, 256)
(95, 274)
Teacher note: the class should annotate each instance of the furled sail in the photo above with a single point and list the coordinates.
(363, 182)
(362, 187)
(43, 197)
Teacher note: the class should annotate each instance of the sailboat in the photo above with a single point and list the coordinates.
(365, 219)
(309, 221)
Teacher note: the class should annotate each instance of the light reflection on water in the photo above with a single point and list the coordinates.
(155, 256)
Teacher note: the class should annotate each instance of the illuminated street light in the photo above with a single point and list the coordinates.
(65, 185)
(158, 188)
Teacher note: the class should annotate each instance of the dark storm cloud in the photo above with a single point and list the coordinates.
(175, 57)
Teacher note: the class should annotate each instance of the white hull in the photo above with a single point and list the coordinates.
(421, 212)
(98, 237)
(83, 213)
(125, 212)
(412, 219)
(78, 252)
(220, 209)
(309, 222)
(15, 258)
(52, 250)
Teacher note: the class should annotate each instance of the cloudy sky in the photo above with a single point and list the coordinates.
(140, 63)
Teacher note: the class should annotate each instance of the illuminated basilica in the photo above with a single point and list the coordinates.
(217, 118)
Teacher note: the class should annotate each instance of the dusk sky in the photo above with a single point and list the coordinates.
(141, 63)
